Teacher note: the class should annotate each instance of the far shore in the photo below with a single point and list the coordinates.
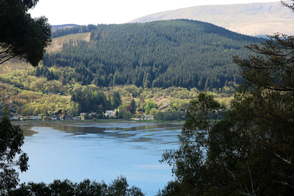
(38, 122)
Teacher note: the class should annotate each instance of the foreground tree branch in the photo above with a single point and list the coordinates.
(20, 35)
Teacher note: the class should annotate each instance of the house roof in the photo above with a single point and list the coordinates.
(36, 117)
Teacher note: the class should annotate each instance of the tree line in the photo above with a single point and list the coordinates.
(66, 31)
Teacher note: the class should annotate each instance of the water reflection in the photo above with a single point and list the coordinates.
(131, 132)
(28, 132)
(100, 151)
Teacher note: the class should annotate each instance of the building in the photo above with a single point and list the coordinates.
(142, 117)
(36, 117)
(92, 114)
(147, 117)
(14, 118)
(109, 113)
(68, 117)
(76, 118)
(55, 118)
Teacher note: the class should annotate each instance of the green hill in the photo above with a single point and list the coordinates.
(85, 71)
(181, 53)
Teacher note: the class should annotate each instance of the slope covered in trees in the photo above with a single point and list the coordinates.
(180, 53)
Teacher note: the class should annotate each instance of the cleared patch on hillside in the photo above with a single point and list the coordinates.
(57, 43)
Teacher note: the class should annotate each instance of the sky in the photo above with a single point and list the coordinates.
(85, 12)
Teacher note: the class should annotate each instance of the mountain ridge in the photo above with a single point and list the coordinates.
(249, 19)
(63, 26)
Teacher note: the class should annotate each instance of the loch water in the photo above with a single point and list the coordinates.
(100, 151)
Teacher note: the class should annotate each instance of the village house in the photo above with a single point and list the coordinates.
(14, 118)
(92, 113)
(142, 117)
(147, 117)
(137, 117)
(109, 113)
(67, 117)
(55, 118)
(35, 117)
(76, 118)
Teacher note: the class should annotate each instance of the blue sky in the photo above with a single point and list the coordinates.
(114, 11)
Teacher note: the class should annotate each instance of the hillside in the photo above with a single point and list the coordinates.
(249, 19)
(164, 62)
(162, 54)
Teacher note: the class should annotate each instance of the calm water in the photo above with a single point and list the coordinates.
(100, 151)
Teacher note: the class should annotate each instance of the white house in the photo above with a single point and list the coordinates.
(109, 113)
(14, 118)
(147, 117)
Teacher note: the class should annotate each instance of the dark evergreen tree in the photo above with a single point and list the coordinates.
(11, 156)
(251, 151)
(20, 35)
(132, 104)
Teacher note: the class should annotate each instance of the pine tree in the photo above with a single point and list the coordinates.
(251, 150)
(20, 35)
(132, 104)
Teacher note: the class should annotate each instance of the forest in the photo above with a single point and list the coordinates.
(164, 62)
(181, 53)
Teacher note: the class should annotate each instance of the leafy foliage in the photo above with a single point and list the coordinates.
(251, 150)
(27, 94)
(85, 188)
(149, 106)
(167, 116)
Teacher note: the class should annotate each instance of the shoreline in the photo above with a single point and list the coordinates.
(37, 122)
